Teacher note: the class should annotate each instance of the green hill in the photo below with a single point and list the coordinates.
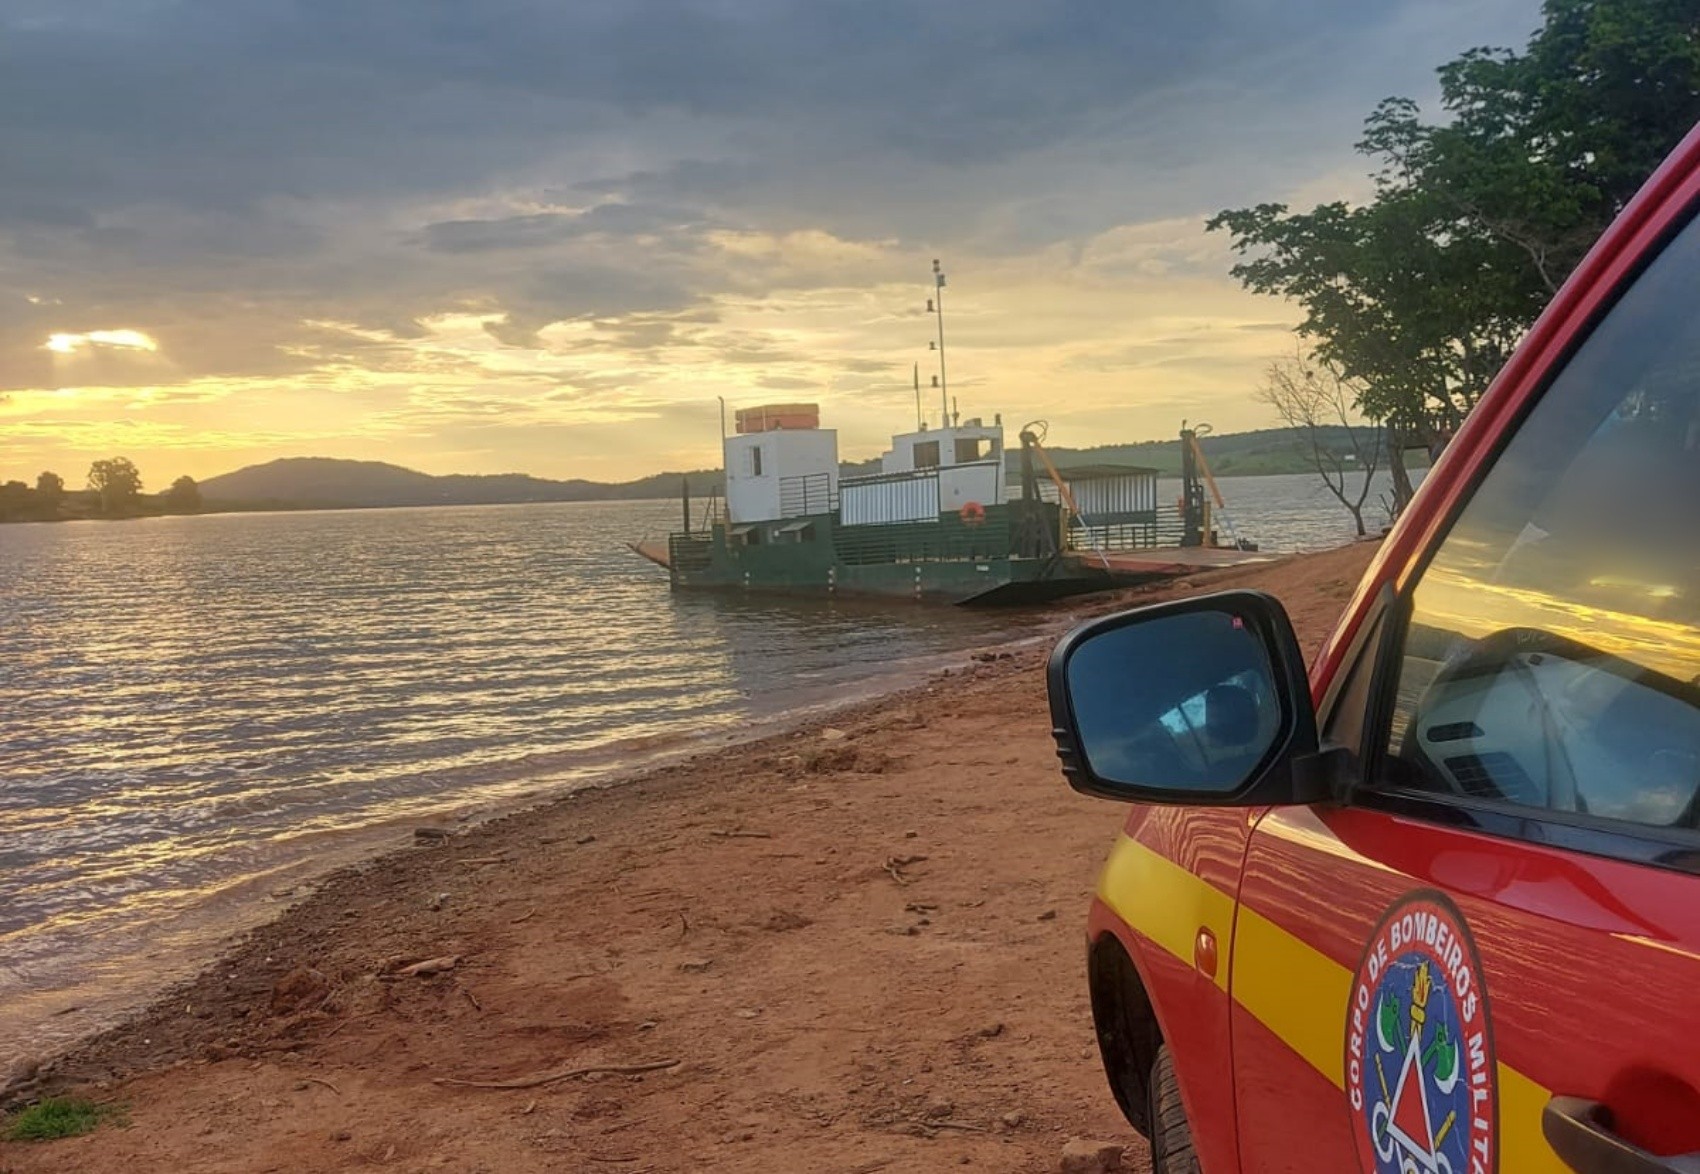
(329, 483)
(1235, 454)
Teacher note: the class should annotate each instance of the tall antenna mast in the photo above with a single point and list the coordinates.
(920, 424)
(935, 305)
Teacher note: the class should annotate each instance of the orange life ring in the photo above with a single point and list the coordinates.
(972, 513)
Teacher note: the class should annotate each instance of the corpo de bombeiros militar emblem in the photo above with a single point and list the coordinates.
(1419, 1046)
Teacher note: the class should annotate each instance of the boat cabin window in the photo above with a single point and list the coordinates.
(970, 448)
(927, 454)
(755, 460)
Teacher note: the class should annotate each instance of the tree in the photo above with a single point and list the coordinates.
(1542, 150)
(1419, 296)
(184, 496)
(118, 483)
(49, 492)
(16, 501)
(1404, 318)
(1309, 396)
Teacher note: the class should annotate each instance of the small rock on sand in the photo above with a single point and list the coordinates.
(21, 1075)
(1080, 1156)
(298, 990)
(430, 966)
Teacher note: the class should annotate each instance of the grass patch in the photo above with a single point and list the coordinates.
(57, 1117)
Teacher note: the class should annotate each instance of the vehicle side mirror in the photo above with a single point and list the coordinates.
(1202, 701)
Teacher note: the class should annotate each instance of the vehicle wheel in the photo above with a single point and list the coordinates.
(1171, 1135)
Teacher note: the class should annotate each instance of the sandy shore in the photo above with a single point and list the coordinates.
(855, 946)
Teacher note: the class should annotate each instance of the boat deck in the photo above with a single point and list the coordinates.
(653, 549)
(1170, 560)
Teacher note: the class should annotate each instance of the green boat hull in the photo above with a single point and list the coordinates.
(948, 561)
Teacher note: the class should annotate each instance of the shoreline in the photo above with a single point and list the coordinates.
(858, 936)
(215, 921)
(222, 507)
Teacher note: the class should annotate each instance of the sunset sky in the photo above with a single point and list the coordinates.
(523, 236)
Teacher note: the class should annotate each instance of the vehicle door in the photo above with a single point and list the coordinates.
(1491, 946)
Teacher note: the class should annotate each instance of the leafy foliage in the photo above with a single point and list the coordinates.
(16, 500)
(20, 503)
(118, 483)
(184, 496)
(1420, 295)
(50, 490)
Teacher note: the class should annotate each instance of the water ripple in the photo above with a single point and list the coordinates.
(189, 706)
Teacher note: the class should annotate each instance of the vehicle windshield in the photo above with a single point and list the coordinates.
(1555, 641)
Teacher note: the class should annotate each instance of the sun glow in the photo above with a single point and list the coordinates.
(66, 344)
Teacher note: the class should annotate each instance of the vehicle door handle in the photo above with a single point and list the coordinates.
(1580, 1133)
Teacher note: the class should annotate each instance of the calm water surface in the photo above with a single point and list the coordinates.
(197, 713)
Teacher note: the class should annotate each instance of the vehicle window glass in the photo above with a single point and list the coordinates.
(1346, 721)
(1553, 653)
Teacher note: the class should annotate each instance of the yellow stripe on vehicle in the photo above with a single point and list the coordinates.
(1295, 991)
(1286, 984)
(1521, 1103)
(1166, 903)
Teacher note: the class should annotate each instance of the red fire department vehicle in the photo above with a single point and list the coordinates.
(1436, 907)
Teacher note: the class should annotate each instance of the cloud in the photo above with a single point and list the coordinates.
(543, 229)
(658, 198)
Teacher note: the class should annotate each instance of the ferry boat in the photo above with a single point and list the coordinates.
(939, 520)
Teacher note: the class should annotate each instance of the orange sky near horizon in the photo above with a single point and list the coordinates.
(547, 239)
(1117, 343)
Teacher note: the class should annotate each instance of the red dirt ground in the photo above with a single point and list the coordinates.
(860, 942)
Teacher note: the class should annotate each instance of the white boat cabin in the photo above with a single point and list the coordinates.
(782, 464)
(928, 473)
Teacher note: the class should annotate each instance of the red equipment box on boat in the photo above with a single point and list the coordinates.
(777, 417)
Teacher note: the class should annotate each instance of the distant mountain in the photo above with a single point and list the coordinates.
(329, 483)
(1234, 454)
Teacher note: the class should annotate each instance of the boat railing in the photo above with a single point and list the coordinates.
(1162, 527)
(811, 493)
(911, 496)
(1117, 535)
(690, 552)
(948, 539)
(925, 473)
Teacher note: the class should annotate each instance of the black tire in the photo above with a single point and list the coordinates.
(1171, 1134)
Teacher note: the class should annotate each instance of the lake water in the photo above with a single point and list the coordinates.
(198, 713)
(1294, 511)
